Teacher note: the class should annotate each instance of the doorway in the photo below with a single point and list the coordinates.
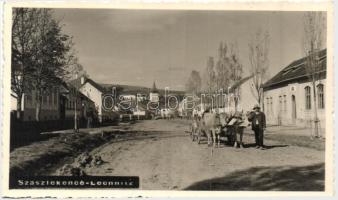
(294, 109)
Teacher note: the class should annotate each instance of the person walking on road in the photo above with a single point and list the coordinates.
(258, 124)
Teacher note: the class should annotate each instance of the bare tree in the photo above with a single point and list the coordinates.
(235, 71)
(74, 68)
(313, 43)
(210, 75)
(259, 61)
(23, 33)
(194, 83)
(222, 68)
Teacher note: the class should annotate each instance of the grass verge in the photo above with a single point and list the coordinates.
(37, 157)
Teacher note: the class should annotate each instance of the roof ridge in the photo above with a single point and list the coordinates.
(281, 76)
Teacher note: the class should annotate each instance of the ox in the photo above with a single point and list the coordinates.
(235, 127)
(210, 126)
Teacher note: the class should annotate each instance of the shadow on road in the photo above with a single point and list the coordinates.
(253, 145)
(280, 178)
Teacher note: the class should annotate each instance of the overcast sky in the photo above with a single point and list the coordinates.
(137, 47)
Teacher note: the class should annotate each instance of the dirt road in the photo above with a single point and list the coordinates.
(162, 154)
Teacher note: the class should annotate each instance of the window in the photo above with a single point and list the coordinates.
(307, 97)
(267, 104)
(271, 106)
(284, 96)
(280, 103)
(320, 93)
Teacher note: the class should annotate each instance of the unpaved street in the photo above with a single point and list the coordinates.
(162, 154)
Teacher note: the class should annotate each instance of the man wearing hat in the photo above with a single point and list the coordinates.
(258, 125)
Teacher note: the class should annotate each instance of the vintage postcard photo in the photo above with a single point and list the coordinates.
(167, 100)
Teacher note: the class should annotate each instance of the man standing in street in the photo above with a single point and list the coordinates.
(258, 125)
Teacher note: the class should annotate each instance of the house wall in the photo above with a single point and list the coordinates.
(95, 95)
(14, 103)
(49, 106)
(81, 110)
(70, 106)
(279, 107)
(247, 99)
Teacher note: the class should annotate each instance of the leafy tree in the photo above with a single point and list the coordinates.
(41, 53)
(23, 34)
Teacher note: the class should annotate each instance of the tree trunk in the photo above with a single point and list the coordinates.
(259, 96)
(18, 108)
(38, 106)
(75, 116)
(315, 113)
(37, 111)
(236, 99)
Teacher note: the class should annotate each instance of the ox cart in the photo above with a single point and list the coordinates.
(217, 126)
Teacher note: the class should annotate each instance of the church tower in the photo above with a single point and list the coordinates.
(154, 94)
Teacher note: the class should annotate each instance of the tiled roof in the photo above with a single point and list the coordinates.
(120, 89)
(77, 84)
(66, 87)
(295, 72)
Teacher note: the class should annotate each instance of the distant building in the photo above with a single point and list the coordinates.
(189, 105)
(129, 97)
(154, 94)
(288, 96)
(141, 97)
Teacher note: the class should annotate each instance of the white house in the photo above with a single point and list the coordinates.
(95, 93)
(288, 96)
(245, 93)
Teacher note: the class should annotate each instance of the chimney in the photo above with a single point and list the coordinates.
(82, 80)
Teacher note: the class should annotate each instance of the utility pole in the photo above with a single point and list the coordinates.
(76, 129)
